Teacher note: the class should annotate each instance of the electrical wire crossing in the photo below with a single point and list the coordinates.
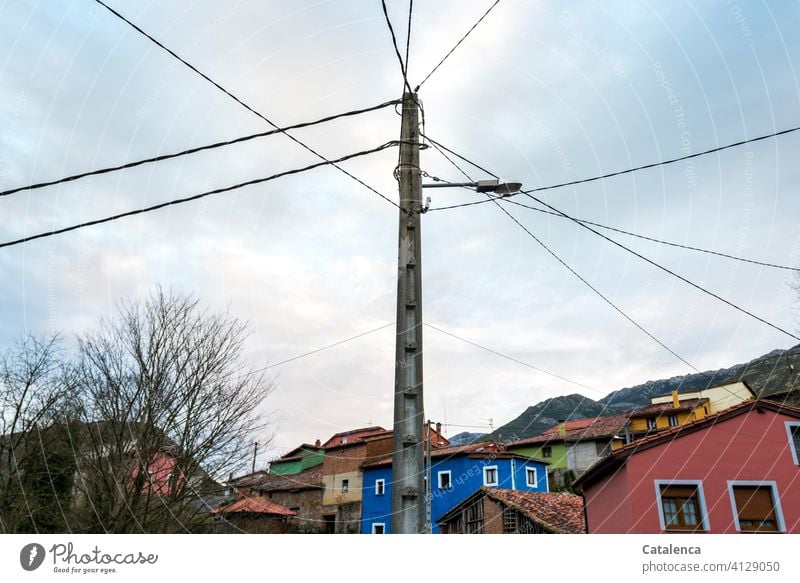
(194, 197)
(461, 40)
(242, 103)
(197, 149)
(621, 172)
(653, 239)
(664, 269)
(403, 69)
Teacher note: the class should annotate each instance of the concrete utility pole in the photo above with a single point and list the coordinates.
(407, 467)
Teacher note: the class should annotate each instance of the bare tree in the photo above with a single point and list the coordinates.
(169, 405)
(36, 465)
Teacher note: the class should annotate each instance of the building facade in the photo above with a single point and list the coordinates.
(735, 471)
(455, 473)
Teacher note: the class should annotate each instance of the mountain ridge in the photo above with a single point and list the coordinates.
(770, 373)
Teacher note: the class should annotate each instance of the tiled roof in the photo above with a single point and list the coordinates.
(661, 408)
(353, 435)
(257, 505)
(618, 456)
(484, 447)
(557, 511)
(579, 430)
(310, 479)
(249, 480)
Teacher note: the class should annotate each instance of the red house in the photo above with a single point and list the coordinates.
(736, 471)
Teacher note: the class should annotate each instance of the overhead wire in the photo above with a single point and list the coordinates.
(242, 103)
(621, 172)
(644, 258)
(315, 351)
(396, 49)
(408, 34)
(194, 150)
(653, 239)
(450, 52)
(664, 269)
(594, 289)
(196, 196)
(512, 359)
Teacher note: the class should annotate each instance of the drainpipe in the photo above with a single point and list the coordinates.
(513, 474)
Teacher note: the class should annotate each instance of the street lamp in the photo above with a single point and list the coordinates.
(501, 189)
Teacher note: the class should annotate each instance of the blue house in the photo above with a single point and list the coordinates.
(456, 473)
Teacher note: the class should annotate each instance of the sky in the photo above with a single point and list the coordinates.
(537, 93)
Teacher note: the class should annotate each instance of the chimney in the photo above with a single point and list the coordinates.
(317, 443)
(562, 427)
(439, 428)
(676, 402)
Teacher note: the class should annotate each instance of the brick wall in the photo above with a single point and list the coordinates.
(344, 459)
(492, 516)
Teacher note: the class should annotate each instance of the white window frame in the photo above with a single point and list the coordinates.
(795, 453)
(382, 482)
(496, 475)
(374, 524)
(776, 500)
(535, 476)
(701, 499)
(449, 480)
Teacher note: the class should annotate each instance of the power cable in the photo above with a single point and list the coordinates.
(437, 146)
(620, 172)
(460, 157)
(396, 49)
(662, 268)
(299, 356)
(594, 289)
(408, 35)
(512, 359)
(243, 104)
(196, 149)
(457, 45)
(654, 240)
(196, 196)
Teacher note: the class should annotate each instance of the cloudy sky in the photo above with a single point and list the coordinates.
(537, 93)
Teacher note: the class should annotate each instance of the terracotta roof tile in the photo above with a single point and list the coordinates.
(488, 447)
(579, 430)
(309, 479)
(661, 408)
(257, 505)
(556, 511)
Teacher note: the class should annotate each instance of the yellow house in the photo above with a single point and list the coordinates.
(665, 415)
(719, 398)
(675, 409)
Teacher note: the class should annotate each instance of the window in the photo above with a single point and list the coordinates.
(378, 528)
(530, 477)
(509, 520)
(756, 507)
(547, 452)
(673, 420)
(445, 482)
(345, 486)
(793, 431)
(681, 505)
(651, 422)
(490, 476)
(380, 487)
